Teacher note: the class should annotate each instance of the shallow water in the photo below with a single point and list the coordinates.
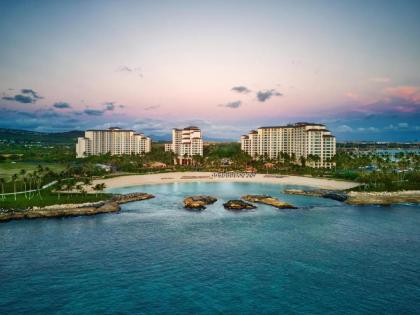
(156, 257)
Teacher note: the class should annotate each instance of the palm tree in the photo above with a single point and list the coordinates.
(2, 181)
(22, 174)
(59, 187)
(302, 161)
(99, 187)
(14, 178)
(87, 181)
(80, 188)
(38, 180)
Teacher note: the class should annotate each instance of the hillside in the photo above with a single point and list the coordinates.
(26, 136)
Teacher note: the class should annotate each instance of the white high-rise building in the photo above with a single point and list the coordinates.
(114, 140)
(297, 140)
(186, 143)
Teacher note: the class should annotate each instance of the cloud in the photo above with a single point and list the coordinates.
(399, 126)
(109, 106)
(235, 104)
(408, 93)
(151, 107)
(392, 105)
(241, 89)
(262, 96)
(27, 96)
(93, 112)
(368, 129)
(31, 92)
(344, 128)
(20, 99)
(135, 71)
(380, 79)
(62, 105)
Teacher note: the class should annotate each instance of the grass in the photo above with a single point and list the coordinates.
(7, 168)
(49, 198)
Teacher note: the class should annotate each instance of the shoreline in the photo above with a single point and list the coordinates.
(191, 177)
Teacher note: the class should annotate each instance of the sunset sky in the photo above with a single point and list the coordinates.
(226, 66)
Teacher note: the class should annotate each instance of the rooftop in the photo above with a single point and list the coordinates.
(111, 129)
(298, 124)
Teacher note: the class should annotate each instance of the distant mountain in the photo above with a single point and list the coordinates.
(26, 136)
(69, 137)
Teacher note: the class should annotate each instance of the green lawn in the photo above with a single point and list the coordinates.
(7, 168)
(49, 198)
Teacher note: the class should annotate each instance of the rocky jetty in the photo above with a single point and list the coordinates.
(329, 194)
(198, 202)
(72, 210)
(383, 198)
(237, 205)
(120, 199)
(268, 200)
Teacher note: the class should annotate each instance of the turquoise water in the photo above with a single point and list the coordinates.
(157, 258)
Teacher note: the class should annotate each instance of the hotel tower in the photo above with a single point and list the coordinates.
(114, 140)
(298, 140)
(186, 143)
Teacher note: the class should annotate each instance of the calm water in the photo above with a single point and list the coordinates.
(156, 257)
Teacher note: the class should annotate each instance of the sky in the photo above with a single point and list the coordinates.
(226, 66)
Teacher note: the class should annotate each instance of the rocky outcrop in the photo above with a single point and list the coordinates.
(300, 192)
(329, 194)
(198, 202)
(383, 198)
(120, 199)
(73, 210)
(237, 205)
(336, 195)
(268, 200)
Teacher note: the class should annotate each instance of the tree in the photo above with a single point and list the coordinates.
(58, 188)
(22, 174)
(70, 185)
(98, 188)
(302, 161)
(87, 181)
(2, 181)
(14, 178)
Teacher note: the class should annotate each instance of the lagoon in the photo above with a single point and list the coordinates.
(154, 257)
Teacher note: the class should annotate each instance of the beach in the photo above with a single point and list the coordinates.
(186, 177)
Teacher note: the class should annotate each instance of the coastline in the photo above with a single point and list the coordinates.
(191, 177)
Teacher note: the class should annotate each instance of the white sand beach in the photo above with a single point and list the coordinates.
(186, 177)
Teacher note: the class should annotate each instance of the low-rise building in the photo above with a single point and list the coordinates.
(114, 141)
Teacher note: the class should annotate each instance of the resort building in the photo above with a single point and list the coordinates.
(185, 144)
(114, 140)
(311, 141)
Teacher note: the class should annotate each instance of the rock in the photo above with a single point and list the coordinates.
(268, 200)
(198, 202)
(383, 198)
(329, 194)
(236, 205)
(120, 199)
(336, 195)
(314, 193)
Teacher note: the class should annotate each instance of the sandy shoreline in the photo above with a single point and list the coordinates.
(188, 177)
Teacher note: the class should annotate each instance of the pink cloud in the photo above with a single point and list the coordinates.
(408, 93)
(380, 79)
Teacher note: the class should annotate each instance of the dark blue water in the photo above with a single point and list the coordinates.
(157, 258)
